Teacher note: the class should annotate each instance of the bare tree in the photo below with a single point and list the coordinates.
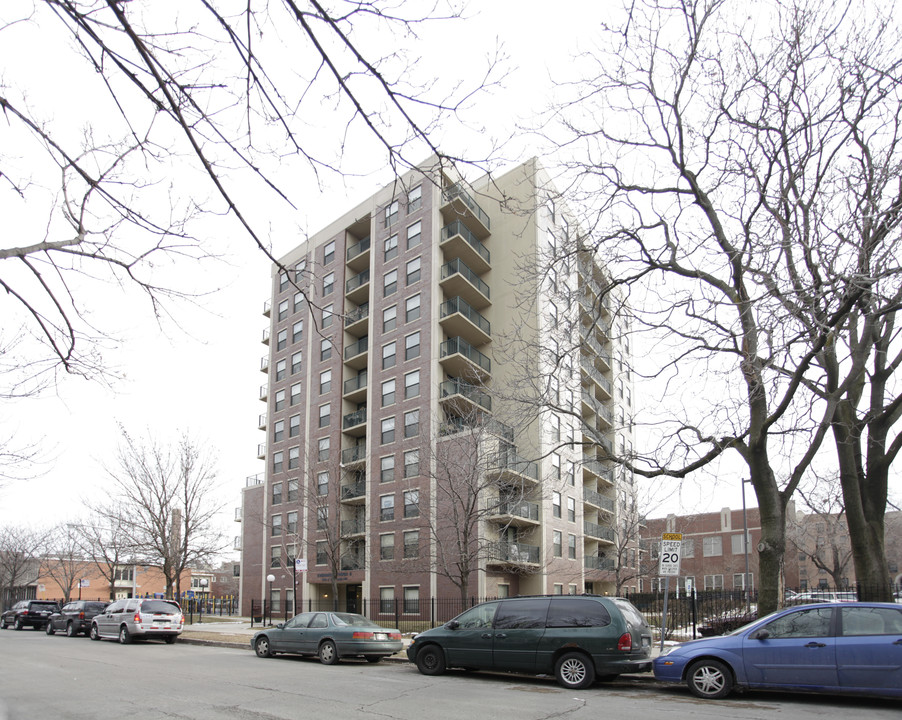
(20, 551)
(64, 561)
(106, 540)
(822, 536)
(722, 154)
(167, 504)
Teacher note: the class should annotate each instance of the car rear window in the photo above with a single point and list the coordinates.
(159, 606)
(44, 605)
(630, 613)
(578, 613)
(94, 607)
(355, 620)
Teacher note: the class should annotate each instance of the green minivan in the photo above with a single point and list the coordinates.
(577, 637)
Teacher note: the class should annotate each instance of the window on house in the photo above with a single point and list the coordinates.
(323, 447)
(327, 315)
(391, 213)
(688, 548)
(299, 269)
(388, 393)
(295, 393)
(413, 271)
(411, 544)
(387, 600)
(283, 280)
(571, 509)
(322, 556)
(283, 310)
(276, 493)
(389, 355)
(282, 340)
(411, 423)
(389, 318)
(278, 459)
(278, 430)
(712, 546)
(387, 547)
(294, 426)
(325, 416)
(279, 402)
(414, 234)
(387, 468)
(411, 599)
(297, 331)
(412, 308)
(412, 384)
(291, 525)
(325, 382)
(411, 503)
(275, 557)
(276, 527)
(412, 346)
(387, 507)
(322, 483)
(388, 430)
(556, 504)
(713, 582)
(296, 361)
(328, 283)
(292, 490)
(411, 463)
(414, 198)
(390, 283)
(294, 458)
(737, 546)
(329, 252)
(298, 301)
(391, 248)
(571, 547)
(322, 518)
(281, 369)
(557, 543)
(325, 349)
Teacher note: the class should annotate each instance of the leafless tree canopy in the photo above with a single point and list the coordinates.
(20, 552)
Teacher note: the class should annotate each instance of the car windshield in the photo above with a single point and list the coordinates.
(159, 606)
(352, 619)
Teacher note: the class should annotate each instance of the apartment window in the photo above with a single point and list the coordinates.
(277, 493)
(283, 280)
(327, 315)
(413, 270)
(276, 527)
(294, 426)
(571, 473)
(387, 468)
(389, 318)
(571, 547)
(282, 340)
(281, 369)
(323, 446)
(299, 269)
(278, 458)
(411, 599)
(295, 393)
(298, 301)
(412, 384)
(391, 248)
(297, 331)
(283, 310)
(556, 504)
(325, 382)
(292, 490)
(294, 458)
(291, 525)
(278, 430)
(555, 466)
(296, 361)
(388, 430)
(557, 543)
(325, 416)
(321, 555)
(712, 547)
(412, 308)
(411, 423)
(388, 393)
(555, 428)
(739, 581)
(275, 557)
(387, 507)
(411, 544)
(572, 589)
(504, 590)
(325, 349)
(328, 283)
(411, 463)
(414, 234)
(390, 283)
(322, 483)
(322, 518)
(387, 546)
(386, 600)
(391, 213)
(329, 252)
(411, 503)
(414, 198)
(571, 509)
(412, 346)
(389, 355)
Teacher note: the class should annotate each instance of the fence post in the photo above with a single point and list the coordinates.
(694, 610)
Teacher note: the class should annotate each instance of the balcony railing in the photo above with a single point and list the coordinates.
(457, 266)
(510, 460)
(458, 228)
(252, 480)
(594, 466)
(457, 192)
(459, 345)
(601, 410)
(592, 562)
(355, 383)
(517, 508)
(514, 553)
(598, 531)
(593, 373)
(456, 386)
(459, 305)
(359, 280)
(355, 526)
(355, 418)
(358, 313)
(361, 346)
(353, 454)
(357, 248)
(352, 562)
(354, 489)
(597, 499)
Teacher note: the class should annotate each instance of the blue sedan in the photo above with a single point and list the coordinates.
(828, 647)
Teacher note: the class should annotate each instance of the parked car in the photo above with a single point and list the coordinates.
(330, 636)
(816, 596)
(75, 617)
(29, 613)
(827, 647)
(578, 638)
(727, 622)
(138, 618)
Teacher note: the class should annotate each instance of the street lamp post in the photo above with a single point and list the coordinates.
(270, 579)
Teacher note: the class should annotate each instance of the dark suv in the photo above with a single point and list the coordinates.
(29, 613)
(577, 637)
(75, 617)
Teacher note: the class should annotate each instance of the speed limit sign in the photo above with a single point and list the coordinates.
(671, 545)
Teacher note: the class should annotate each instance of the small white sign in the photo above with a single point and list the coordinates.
(84, 582)
(671, 547)
(300, 564)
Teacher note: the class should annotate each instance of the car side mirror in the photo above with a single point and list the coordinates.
(452, 624)
(281, 626)
(761, 634)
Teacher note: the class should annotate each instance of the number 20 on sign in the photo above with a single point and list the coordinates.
(671, 545)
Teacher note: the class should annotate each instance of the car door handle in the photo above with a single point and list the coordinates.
(501, 635)
(898, 642)
(816, 645)
(486, 636)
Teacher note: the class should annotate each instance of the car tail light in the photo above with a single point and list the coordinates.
(81, 615)
(395, 636)
(25, 612)
(138, 617)
(359, 635)
(625, 643)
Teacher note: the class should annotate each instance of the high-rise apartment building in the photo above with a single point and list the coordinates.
(441, 404)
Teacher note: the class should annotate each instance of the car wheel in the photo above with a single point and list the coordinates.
(18, 624)
(710, 679)
(70, 630)
(328, 653)
(48, 628)
(170, 639)
(431, 660)
(95, 633)
(574, 671)
(261, 647)
(373, 658)
(124, 636)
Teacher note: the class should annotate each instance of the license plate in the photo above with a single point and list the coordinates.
(380, 636)
(646, 642)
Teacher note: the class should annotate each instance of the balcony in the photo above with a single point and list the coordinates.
(353, 491)
(357, 289)
(462, 360)
(261, 451)
(515, 512)
(357, 320)
(458, 318)
(267, 308)
(264, 392)
(593, 562)
(352, 562)
(598, 352)
(605, 414)
(236, 545)
(604, 385)
(266, 336)
(458, 279)
(599, 532)
(458, 242)
(463, 396)
(357, 255)
(594, 466)
(252, 480)
(356, 354)
(509, 462)
(458, 204)
(264, 364)
(238, 514)
(355, 423)
(355, 388)
(598, 500)
(513, 553)
(353, 455)
(354, 526)
(262, 421)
